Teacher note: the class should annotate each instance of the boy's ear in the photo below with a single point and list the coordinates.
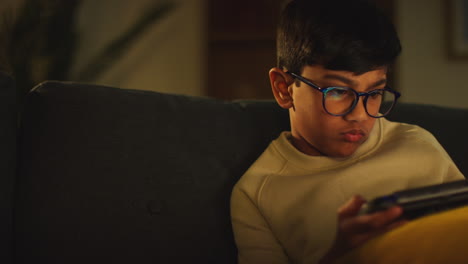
(280, 82)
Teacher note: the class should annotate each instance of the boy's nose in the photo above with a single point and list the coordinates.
(359, 113)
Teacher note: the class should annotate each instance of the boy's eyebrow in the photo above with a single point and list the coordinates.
(340, 78)
(380, 82)
(351, 82)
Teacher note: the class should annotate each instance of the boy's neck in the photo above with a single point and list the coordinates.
(304, 147)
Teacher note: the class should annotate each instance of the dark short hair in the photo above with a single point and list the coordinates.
(348, 35)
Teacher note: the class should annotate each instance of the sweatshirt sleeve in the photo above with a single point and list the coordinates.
(254, 238)
(453, 173)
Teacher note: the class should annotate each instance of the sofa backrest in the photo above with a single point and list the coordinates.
(121, 176)
(109, 175)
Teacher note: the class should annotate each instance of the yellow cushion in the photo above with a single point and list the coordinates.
(437, 238)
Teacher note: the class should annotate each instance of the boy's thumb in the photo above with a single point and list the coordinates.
(351, 207)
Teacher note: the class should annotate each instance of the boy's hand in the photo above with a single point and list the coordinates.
(354, 229)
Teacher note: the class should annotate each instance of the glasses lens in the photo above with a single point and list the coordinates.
(338, 100)
(380, 103)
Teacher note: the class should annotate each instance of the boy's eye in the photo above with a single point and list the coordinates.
(376, 93)
(339, 93)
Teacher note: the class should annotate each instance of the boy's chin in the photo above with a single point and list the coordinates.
(342, 153)
(345, 149)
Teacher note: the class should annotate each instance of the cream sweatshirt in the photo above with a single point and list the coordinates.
(283, 209)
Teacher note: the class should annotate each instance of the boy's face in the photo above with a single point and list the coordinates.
(314, 131)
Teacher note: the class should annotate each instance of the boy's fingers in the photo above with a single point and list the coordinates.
(390, 215)
(373, 222)
(351, 207)
(382, 219)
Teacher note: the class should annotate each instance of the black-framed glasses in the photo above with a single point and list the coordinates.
(340, 101)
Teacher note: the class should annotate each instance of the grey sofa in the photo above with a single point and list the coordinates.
(108, 175)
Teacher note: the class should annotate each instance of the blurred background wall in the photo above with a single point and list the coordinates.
(426, 72)
(167, 56)
(218, 48)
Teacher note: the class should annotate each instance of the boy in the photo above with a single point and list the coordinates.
(333, 61)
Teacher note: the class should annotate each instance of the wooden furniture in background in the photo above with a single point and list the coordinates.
(241, 47)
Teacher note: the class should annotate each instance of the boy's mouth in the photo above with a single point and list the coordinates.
(353, 136)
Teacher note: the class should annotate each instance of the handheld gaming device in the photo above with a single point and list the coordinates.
(422, 201)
